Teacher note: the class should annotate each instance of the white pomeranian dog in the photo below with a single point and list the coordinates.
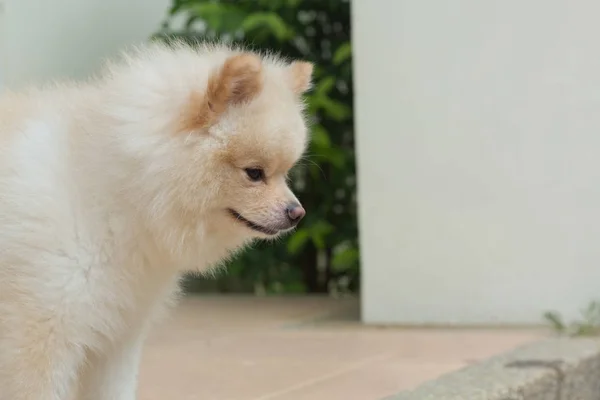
(171, 160)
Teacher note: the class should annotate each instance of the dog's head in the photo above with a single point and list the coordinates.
(243, 132)
(257, 110)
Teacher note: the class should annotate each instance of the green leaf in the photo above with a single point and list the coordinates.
(269, 21)
(320, 100)
(217, 16)
(334, 109)
(343, 53)
(319, 232)
(210, 13)
(583, 329)
(315, 170)
(297, 241)
(320, 137)
(324, 86)
(334, 156)
(319, 242)
(592, 312)
(555, 321)
(346, 258)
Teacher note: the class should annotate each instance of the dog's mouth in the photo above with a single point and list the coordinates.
(256, 227)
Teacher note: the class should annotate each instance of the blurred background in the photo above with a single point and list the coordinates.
(471, 129)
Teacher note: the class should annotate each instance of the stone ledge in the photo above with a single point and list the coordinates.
(555, 369)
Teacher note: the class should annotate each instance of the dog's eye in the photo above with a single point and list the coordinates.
(255, 174)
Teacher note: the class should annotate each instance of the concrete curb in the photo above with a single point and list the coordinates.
(555, 369)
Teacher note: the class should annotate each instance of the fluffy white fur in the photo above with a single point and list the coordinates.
(110, 189)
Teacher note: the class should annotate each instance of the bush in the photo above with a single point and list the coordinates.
(322, 255)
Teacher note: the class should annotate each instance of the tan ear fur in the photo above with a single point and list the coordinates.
(300, 76)
(239, 80)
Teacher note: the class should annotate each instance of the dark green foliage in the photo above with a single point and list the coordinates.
(322, 255)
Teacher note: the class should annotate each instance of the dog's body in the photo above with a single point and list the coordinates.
(170, 161)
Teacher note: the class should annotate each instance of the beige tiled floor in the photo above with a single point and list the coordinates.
(246, 348)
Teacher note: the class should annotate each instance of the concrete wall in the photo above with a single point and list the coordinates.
(478, 127)
(46, 39)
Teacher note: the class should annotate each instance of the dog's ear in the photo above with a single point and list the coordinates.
(300, 76)
(237, 81)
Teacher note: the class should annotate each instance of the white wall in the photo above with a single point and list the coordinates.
(478, 127)
(47, 39)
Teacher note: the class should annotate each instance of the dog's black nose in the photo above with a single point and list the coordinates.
(295, 212)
